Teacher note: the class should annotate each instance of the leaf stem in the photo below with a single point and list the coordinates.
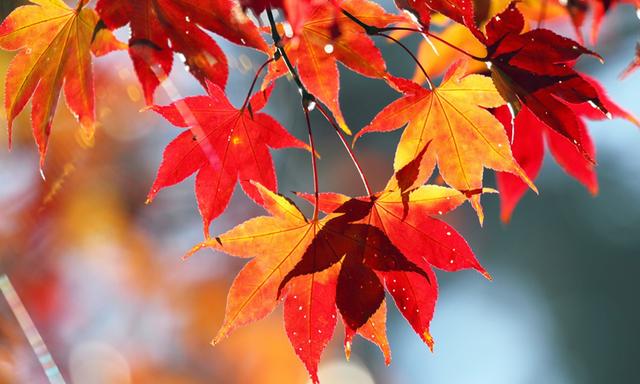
(280, 53)
(376, 31)
(440, 39)
(352, 155)
(424, 72)
(253, 83)
(373, 30)
(316, 206)
(369, 29)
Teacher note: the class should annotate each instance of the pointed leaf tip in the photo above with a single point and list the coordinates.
(505, 216)
(222, 333)
(346, 129)
(347, 350)
(428, 339)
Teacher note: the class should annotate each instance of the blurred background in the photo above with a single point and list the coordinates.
(100, 272)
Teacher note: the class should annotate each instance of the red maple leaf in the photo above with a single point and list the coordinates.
(464, 137)
(528, 134)
(361, 250)
(223, 145)
(535, 69)
(404, 214)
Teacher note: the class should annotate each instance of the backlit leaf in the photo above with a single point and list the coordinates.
(54, 43)
(223, 145)
(464, 137)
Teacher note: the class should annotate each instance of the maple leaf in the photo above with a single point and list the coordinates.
(528, 135)
(464, 136)
(535, 69)
(223, 144)
(414, 295)
(160, 27)
(317, 48)
(54, 43)
(404, 214)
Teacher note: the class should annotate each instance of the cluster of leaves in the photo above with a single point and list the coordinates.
(515, 88)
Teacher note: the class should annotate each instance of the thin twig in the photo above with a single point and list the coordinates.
(424, 72)
(443, 41)
(372, 30)
(277, 41)
(253, 83)
(347, 147)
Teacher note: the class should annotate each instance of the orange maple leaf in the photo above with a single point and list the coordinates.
(464, 136)
(54, 43)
